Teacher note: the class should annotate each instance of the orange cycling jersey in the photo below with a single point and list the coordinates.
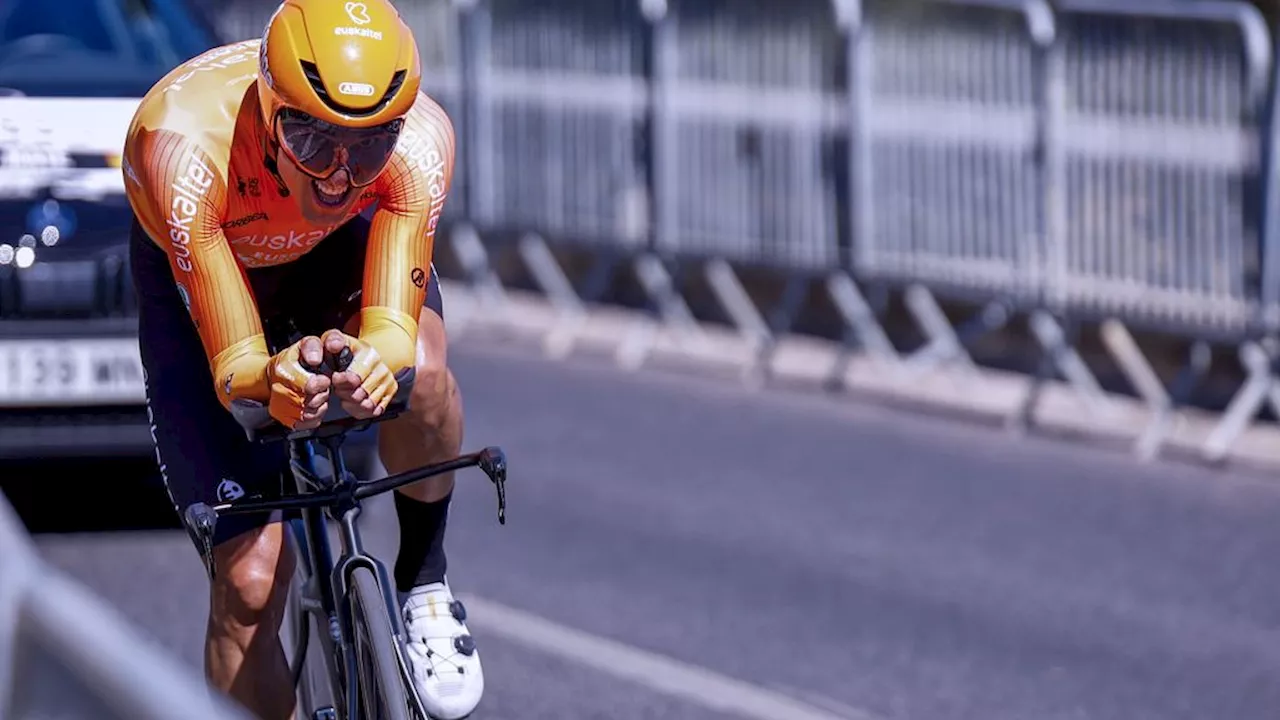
(197, 176)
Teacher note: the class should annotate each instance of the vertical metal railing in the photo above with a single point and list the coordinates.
(1159, 109)
(561, 99)
(953, 193)
(65, 653)
(753, 108)
(1085, 160)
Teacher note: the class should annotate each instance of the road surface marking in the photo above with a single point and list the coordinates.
(656, 672)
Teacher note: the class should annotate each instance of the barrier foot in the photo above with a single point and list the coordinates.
(944, 344)
(1022, 417)
(1066, 360)
(571, 314)
(862, 329)
(1258, 389)
(783, 317)
(486, 287)
(1137, 369)
(746, 317)
(673, 313)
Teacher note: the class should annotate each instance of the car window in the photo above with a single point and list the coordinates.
(134, 41)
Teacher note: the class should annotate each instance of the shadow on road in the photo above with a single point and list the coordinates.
(87, 495)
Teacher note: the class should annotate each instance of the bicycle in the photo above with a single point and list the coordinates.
(363, 666)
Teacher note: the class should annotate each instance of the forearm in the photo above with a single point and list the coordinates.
(240, 371)
(393, 333)
(396, 271)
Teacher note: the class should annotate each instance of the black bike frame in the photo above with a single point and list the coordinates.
(339, 498)
(333, 582)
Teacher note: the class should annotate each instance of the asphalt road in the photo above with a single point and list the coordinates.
(871, 563)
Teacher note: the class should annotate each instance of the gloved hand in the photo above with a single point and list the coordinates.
(299, 398)
(367, 386)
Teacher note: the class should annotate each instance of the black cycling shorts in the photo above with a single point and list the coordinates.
(202, 451)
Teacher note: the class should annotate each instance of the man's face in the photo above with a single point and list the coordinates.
(322, 163)
(321, 201)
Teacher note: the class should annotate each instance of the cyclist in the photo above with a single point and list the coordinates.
(306, 186)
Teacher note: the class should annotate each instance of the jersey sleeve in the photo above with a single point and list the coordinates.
(412, 193)
(178, 195)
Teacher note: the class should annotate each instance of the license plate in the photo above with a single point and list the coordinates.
(86, 371)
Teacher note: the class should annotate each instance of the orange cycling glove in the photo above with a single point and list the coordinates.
(375, 378)
(288, 380)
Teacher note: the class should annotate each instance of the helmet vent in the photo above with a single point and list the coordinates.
(312, 74)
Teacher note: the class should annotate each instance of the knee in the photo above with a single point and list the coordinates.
(252, 580)
(435, 401)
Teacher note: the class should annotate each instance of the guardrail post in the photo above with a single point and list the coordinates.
(674, 315)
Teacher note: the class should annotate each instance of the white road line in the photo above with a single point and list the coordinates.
(656, 672)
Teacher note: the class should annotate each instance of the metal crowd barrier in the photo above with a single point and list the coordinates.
(1158, 112)
(64, 653)
(950, 186)
(1080, 160)
(745, 144)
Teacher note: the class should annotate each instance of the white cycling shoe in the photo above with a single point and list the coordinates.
(442, 654)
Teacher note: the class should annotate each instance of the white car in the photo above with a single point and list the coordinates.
(71, 74)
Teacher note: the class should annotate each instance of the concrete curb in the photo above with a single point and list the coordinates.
(993, 395)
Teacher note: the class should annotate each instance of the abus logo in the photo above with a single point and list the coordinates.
(352, 88)
(358, 13)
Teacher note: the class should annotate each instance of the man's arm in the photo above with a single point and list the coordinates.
(402, 236)
(178, 195)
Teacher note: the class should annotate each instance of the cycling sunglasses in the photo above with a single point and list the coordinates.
(313, 145)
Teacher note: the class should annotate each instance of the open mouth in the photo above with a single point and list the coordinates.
(331, 194)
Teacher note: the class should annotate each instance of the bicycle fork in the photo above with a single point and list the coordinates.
(351, 557)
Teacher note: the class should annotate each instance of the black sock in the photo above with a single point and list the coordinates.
(421, 558)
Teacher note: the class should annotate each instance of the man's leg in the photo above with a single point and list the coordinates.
(204, 456)
(242, 653)
(446, 664)
(430, 432)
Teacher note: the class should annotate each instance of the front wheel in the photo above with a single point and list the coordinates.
(381, 688)
(305, 637)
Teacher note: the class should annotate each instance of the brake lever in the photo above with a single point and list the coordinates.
(201, 521)
(493, 461)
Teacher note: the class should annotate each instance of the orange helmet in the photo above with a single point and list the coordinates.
(349, 63)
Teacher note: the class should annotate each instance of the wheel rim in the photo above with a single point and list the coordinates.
(371, 702)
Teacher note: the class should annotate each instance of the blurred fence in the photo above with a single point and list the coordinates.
(66, 654)
(1102, 160)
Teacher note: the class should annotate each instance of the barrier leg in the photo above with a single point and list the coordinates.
(944, 344)
(782, 317)
(486, 287)
(1260, 387)
(1124, 349)
(861, 325)
(675, 315)
(1066, 360)
(571, 314)
(746, 317)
